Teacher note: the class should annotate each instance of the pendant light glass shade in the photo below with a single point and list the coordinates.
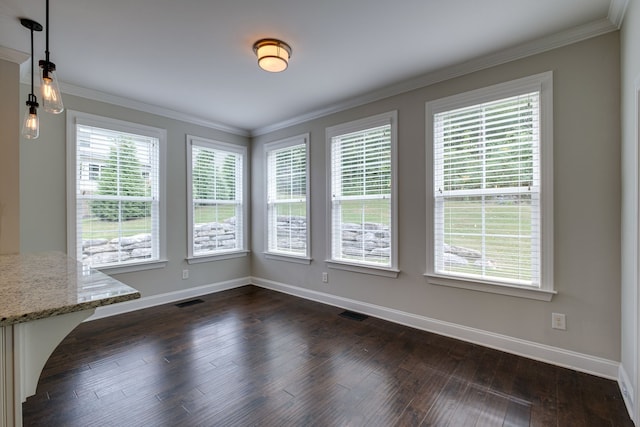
(50, 91)
(51, 97)
(31, 124)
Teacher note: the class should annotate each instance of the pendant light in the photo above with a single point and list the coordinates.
(51, 97)
(31, 125)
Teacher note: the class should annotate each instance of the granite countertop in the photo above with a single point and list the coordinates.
(39, 285)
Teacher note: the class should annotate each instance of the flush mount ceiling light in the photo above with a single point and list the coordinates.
(273, 55)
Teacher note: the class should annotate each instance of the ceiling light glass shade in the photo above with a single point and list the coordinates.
(51, 97)
(31, 124)
(273, 55)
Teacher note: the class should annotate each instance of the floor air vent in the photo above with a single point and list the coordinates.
(189, 303)
(354, 316)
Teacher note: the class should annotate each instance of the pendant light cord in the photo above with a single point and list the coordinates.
(46, 51)
(32, 60)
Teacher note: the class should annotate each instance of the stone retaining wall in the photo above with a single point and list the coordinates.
(371, 242)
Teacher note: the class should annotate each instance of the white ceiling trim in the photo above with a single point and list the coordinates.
(148, 108)
(12, 55)
(563, 38)
(617, 9)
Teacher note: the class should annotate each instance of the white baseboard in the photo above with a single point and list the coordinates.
(169, 297)
(557, 356)
(628, 393)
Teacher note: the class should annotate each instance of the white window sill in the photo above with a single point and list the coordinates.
(130, 268)
(365, 269)
(287, 258)
(217, 257)
(494, 288)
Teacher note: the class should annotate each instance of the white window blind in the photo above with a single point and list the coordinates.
(361, 196)
(487, 188)
(216, 199)
(117, 197)
(287, 199)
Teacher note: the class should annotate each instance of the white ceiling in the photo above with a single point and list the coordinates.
(195, 58)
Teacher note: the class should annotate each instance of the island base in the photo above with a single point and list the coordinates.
(24, 350)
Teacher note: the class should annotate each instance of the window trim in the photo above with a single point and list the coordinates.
(224, 146)
(73, 119)
(267, 148)
(543, 83)
(388, 118)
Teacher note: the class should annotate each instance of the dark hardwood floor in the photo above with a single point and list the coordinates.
(250, 356)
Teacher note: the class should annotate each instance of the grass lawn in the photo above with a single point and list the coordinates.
(377, 211)
(97, 229)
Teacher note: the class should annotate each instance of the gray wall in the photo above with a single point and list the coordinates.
(587, 204)
(43, 196)
(9, 159)
(630, 65)
(587, 208)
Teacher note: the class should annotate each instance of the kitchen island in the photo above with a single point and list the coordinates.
(43, 297)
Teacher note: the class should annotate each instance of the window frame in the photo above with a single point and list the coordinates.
(268, 149)
(75, 118)
(542, 83)
(241, 150)
(387, 118)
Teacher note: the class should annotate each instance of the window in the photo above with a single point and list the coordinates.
(287, 201)
(216, 196)
(362, 205)
(94, 172)
(116, 218)
(491, 191)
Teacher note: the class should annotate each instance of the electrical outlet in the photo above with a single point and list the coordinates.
(558, 321)
(185, 274)
(325, 277)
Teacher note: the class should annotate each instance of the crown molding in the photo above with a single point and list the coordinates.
(21, 58)
(544, 44)
(148, 108)
(617, 9)
(12, 55)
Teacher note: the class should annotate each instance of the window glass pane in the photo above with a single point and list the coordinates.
(117, 213)
(287, 199)
(487, 191)
(217, 210)
(361, 174)
(362, 231)
(488, 237)
(290, 228)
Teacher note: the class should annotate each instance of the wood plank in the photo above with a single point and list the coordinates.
(251, 356)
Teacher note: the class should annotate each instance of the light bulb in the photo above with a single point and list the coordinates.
(31, 125)
(51, 97)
